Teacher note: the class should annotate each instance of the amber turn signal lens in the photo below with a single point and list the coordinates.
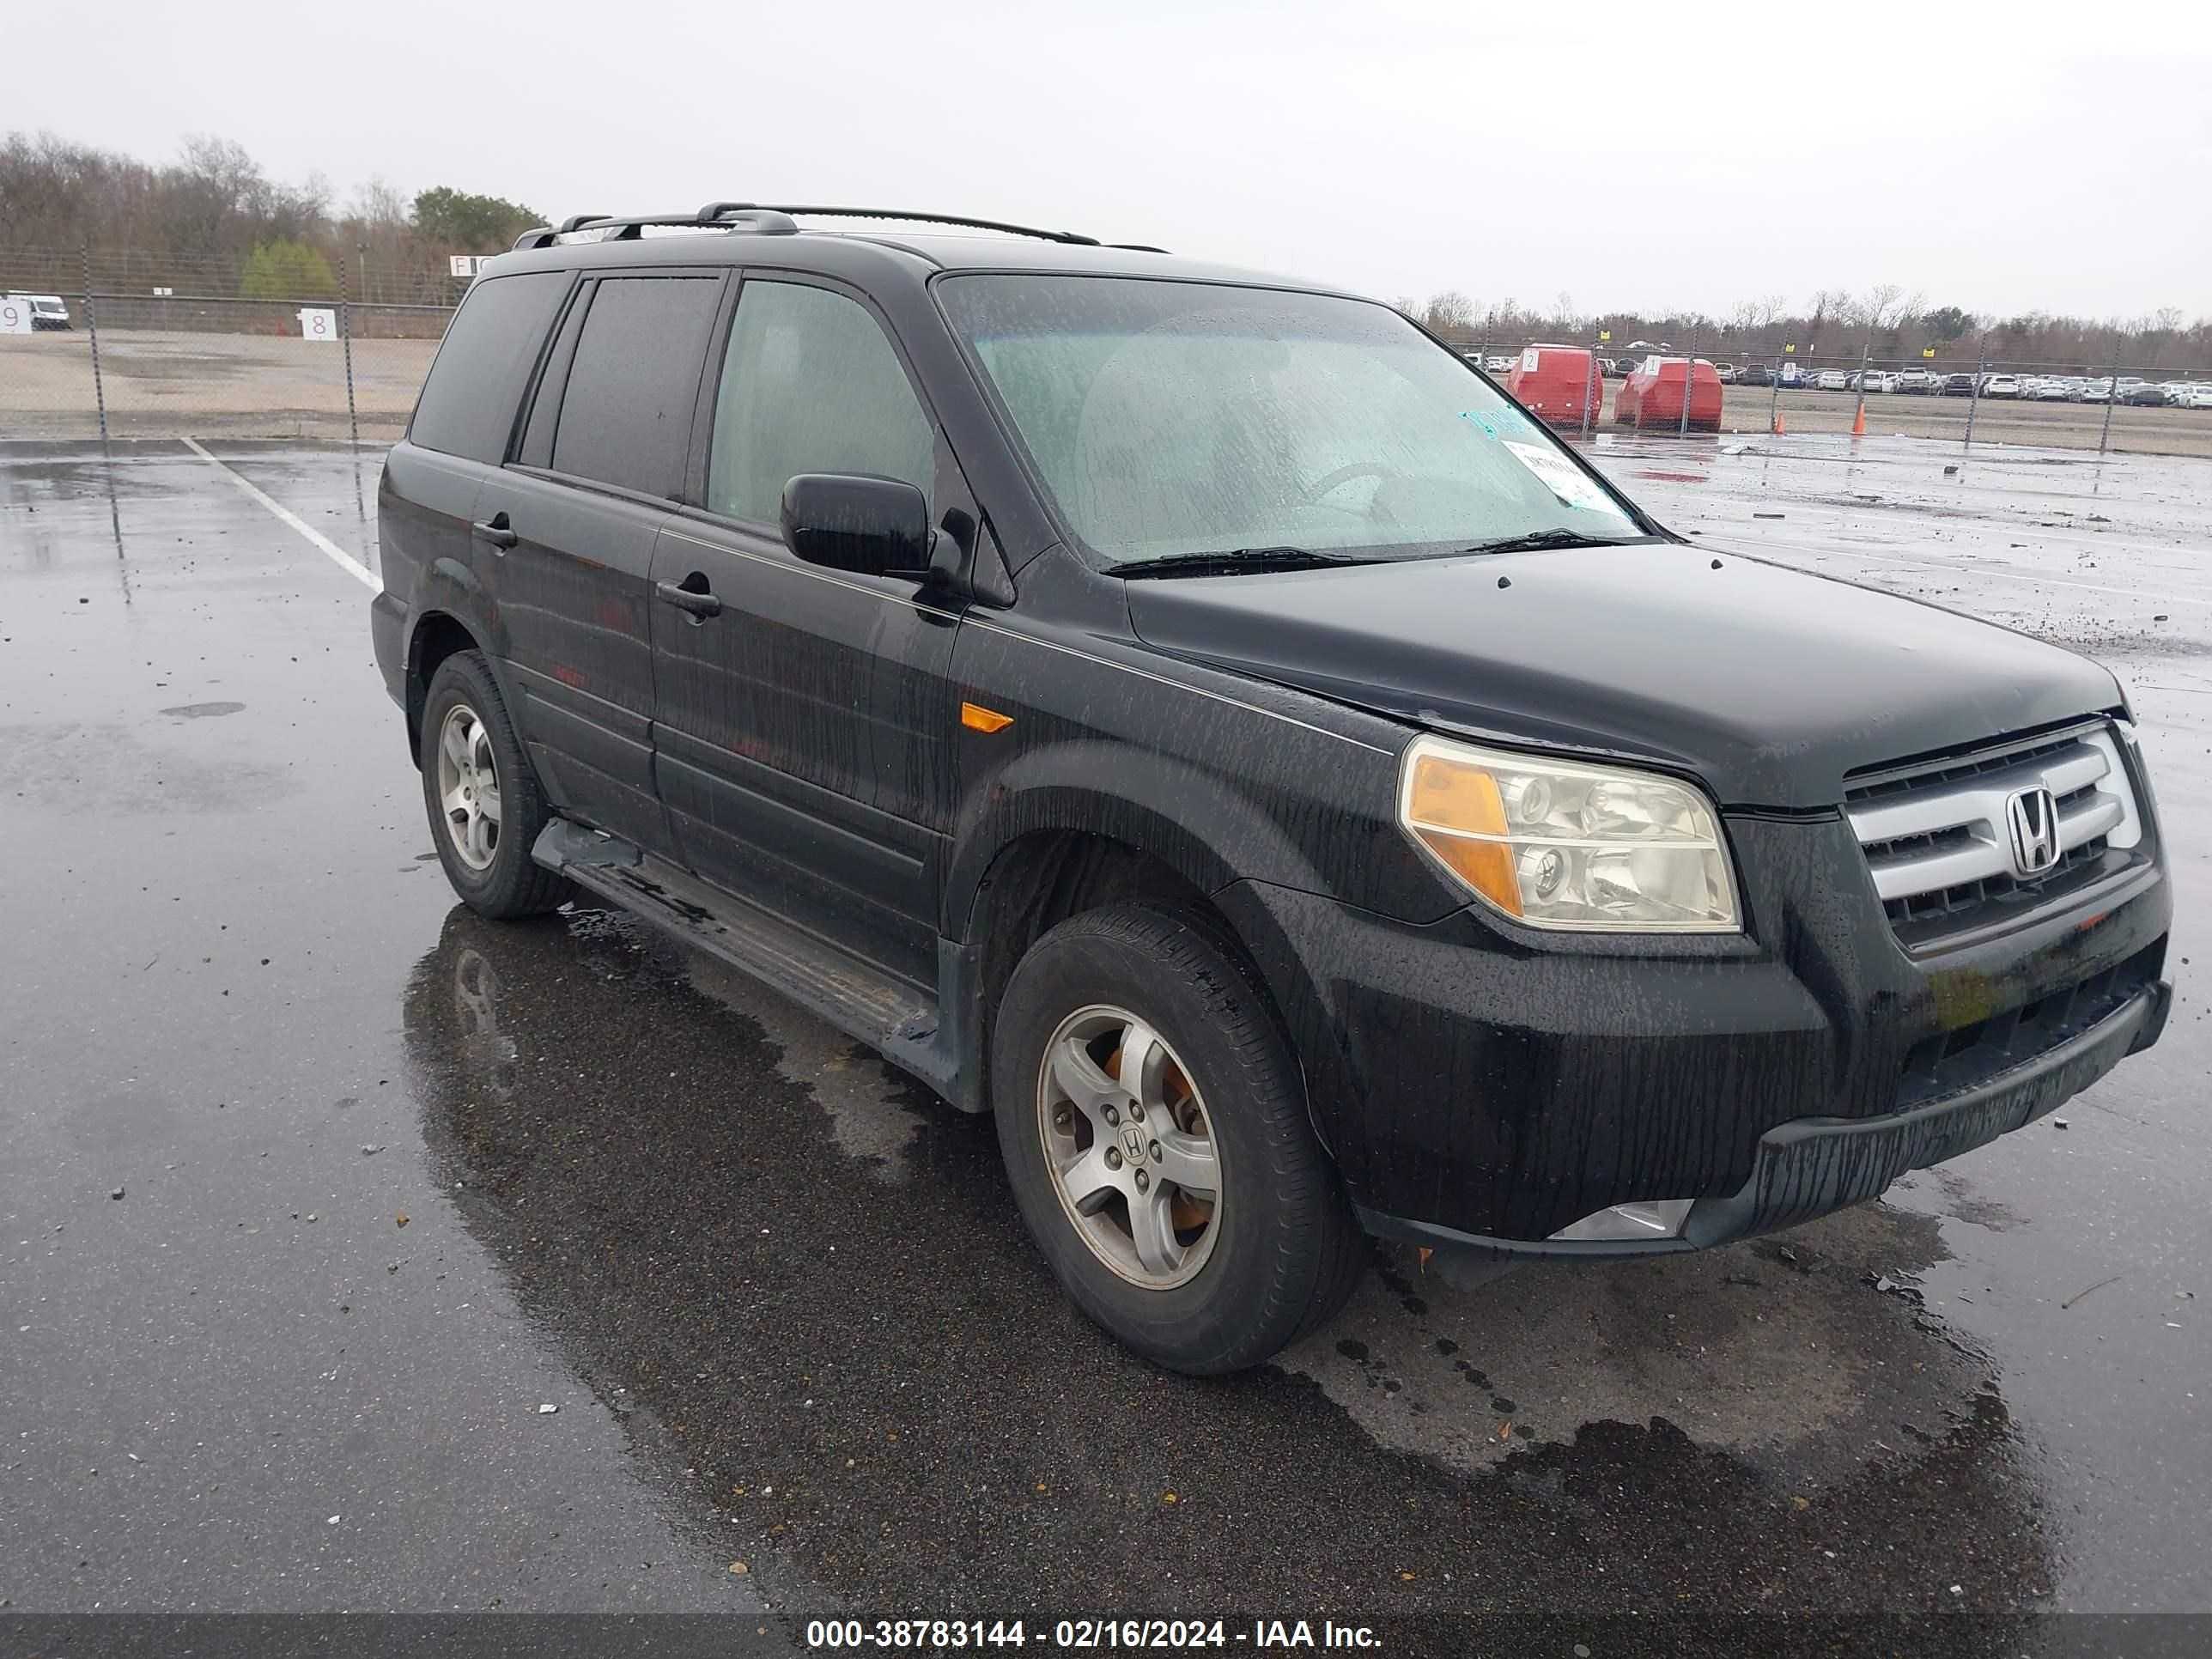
(1466, 798)
(977, 718)
(1485, 866)
(1452, 792)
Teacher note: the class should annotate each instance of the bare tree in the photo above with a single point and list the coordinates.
(1449, 312)
(1881, 308)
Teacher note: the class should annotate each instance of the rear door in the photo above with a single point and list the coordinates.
(459, 435)
(799, 722)
(599, 462)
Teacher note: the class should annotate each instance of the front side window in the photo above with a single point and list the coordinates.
(1169, 419)
(810, 384)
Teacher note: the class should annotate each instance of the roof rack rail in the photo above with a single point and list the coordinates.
(768, 221)
(1072, 237)
(627, 227)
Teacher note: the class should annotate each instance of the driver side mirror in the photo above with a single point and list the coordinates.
(848, 521)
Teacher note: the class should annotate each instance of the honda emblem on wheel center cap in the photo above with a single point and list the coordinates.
(2032, 815)
(1133, 1143)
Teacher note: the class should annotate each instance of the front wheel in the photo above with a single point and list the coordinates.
(1155, 1131)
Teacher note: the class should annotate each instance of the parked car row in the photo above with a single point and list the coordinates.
(1926, 382)
(2102, 388)
(1994, 383)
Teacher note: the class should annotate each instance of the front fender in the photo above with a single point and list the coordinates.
(1209, 831)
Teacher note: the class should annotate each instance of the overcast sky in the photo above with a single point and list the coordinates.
(2001, 158)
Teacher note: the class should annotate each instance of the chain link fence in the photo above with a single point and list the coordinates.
(126, 344)
(126, 347)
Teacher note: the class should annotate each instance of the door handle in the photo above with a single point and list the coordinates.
(495, 530)
(697, 601)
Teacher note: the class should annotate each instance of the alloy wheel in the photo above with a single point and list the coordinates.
(1131, 1153)
(468, 787)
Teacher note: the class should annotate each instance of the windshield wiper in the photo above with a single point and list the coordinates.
(1234, 561)
(1537, 539)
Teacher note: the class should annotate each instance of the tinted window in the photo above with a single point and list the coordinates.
(467, 407)
(810, 384)
(626, 415)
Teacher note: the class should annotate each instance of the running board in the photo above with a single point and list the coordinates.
(856, 996)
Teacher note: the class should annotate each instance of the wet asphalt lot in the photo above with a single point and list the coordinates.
(393, 1180)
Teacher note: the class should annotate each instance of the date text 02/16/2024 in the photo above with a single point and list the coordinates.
(1087, 1635)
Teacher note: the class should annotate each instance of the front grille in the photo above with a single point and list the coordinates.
(1952, 1060)
(1939, 849)
(2076, 867)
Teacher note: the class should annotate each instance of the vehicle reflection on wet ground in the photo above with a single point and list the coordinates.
(801, 1280)
(781, 1295)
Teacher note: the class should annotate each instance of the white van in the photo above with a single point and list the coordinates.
(47, 310)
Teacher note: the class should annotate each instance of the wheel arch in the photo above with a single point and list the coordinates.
(1039, 854)
(436, 635)
(1192, 823)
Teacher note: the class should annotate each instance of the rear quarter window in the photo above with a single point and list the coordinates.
(467, 406)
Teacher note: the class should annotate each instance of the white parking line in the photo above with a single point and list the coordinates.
(330, 550)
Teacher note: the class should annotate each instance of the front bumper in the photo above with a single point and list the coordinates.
(1812, 1166)
(1480, 1086)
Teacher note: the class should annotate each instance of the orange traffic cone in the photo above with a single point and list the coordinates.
(1781, 426)
(1858, 422)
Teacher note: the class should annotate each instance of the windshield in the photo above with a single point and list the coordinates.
(1171, 419)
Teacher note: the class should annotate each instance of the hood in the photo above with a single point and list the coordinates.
(1767, 683)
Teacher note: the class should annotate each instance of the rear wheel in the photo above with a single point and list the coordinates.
(1155, 1130)
(482, 797)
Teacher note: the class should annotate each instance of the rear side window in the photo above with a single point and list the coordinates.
(626, 414)
(810, 384)
(467, 406)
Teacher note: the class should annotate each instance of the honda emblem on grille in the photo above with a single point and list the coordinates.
(2032, 817)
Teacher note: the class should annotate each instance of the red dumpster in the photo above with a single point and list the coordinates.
(1558, 382)
(1651, 395)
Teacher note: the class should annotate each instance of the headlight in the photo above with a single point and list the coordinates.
(1558, 844)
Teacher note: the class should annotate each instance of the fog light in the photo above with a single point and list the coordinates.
(1658, 1218)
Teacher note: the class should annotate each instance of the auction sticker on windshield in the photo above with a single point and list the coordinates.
(1563, 478)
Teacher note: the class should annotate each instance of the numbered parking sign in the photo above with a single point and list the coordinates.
(316, 324)
(14, 315)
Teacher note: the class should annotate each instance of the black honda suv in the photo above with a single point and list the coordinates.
(1197, 717)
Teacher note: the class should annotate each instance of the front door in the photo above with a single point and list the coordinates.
(782, 780)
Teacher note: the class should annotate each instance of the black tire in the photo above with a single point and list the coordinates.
(1288, 1252)
(510, 887)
